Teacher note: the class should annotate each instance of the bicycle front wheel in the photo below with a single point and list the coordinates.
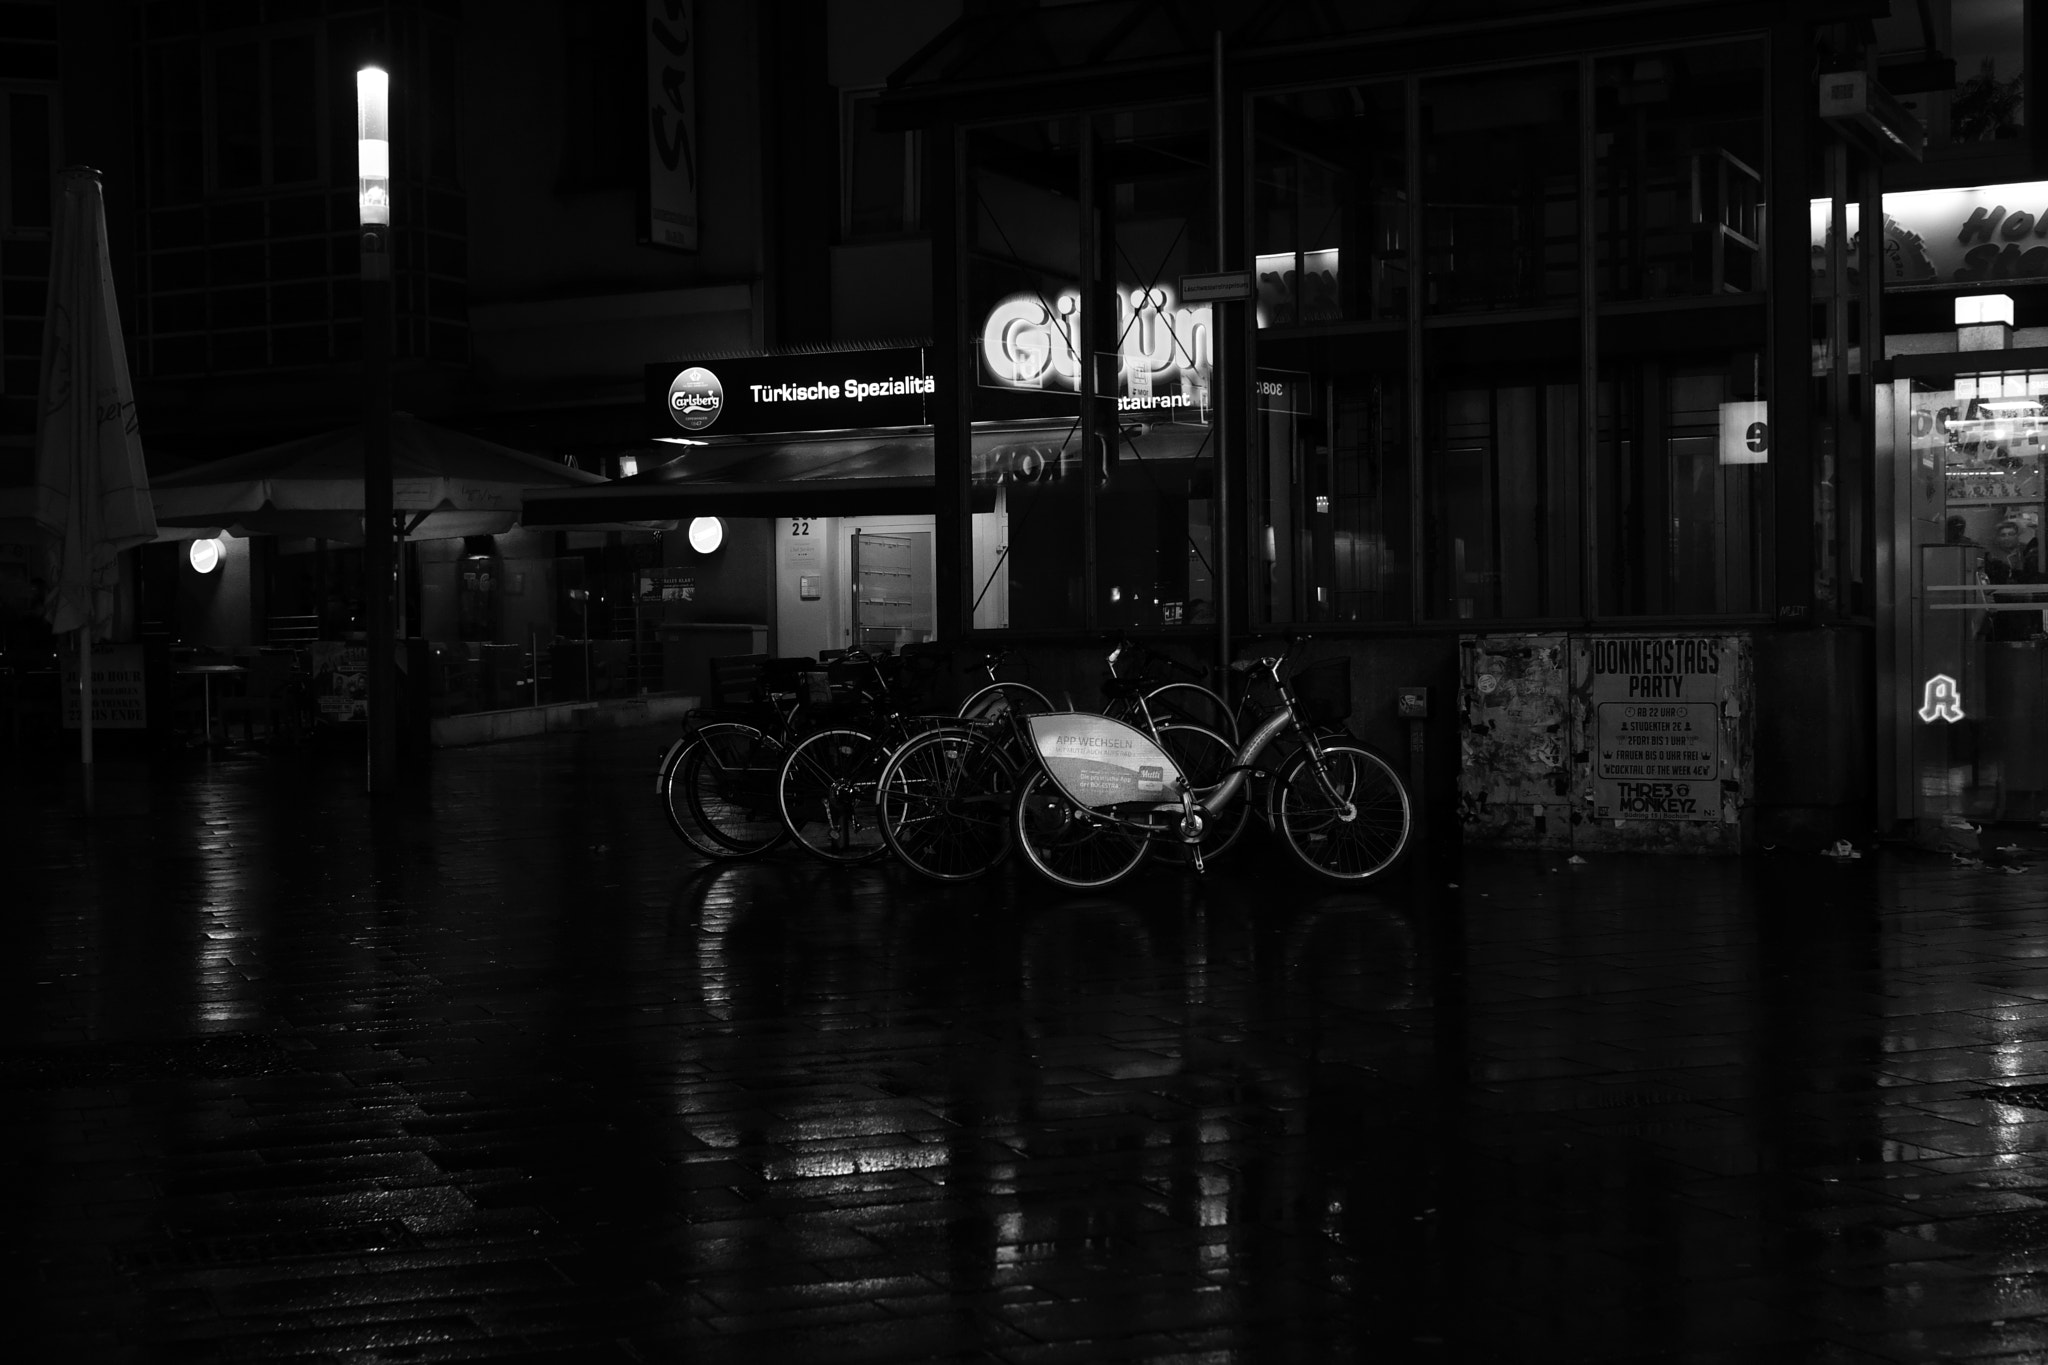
(1348, 817)
(943, 801)
(720, 792)
(828, 796)
(1066, 845)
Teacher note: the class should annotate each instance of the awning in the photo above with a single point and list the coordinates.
(867, 474)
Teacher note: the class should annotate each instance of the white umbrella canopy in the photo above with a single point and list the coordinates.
(91, 495)
(445, 483)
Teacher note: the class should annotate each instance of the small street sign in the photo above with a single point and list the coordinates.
(1221, 286)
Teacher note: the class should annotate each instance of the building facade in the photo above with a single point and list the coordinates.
(1535, 396)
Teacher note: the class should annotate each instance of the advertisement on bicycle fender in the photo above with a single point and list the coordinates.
(1101, 762)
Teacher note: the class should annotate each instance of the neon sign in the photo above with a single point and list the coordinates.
(1941, 700)
(1164, 357)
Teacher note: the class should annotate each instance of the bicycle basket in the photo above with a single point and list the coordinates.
(1323, 691)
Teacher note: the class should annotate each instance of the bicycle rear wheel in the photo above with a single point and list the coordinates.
(944, 800)
(1349, 819)
(720, 792)
(827, 791)
(999, 698)
(1066, 845)
(1186, 703)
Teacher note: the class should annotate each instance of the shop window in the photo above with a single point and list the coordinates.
(1502, 473)
(1500, 187)
(1678, 165)
(878, 173)
(1092, 499)
(1683, 480)
(1023, 267)
(1330, 205)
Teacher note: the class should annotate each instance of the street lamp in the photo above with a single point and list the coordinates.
(373, 214)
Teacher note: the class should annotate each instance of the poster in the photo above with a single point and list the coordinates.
(117, 696)
(1099, 762)
(341, 680)
(1657, 724)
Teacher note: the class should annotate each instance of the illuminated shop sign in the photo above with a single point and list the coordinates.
(1162, 364)
(752, 395)
(1162, 367)
(1953, 236)
(1941, 699)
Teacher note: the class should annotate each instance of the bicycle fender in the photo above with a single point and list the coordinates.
(668, 761)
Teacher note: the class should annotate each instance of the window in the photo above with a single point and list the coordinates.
(878, 173)
(1330, 203)
(1683, 452)
(1500, 190)
(263, 111)
(1678, 160)
(1502, 474)
(1092, 497)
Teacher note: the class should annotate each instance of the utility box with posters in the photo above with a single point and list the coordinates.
(1606, 742)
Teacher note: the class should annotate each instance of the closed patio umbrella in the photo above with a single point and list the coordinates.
(91, 496)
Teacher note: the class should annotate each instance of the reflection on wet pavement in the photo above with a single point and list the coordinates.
(497, 1070)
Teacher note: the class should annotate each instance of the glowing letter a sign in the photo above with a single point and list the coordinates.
(1942, 700)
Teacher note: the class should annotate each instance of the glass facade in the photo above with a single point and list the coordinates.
(1092, 484)
(1570, 421)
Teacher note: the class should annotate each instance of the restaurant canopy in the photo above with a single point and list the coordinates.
(862, 474)
(445, 483)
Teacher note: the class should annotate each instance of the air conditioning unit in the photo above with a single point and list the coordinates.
(1854, 103)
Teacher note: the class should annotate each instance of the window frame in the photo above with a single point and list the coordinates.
(209, 115)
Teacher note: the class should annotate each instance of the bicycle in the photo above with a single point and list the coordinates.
(1169, 703)
(716, 782)
(826, 789)
(1104, 793)
(943, 798)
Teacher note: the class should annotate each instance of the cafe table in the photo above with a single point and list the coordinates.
(206, 673)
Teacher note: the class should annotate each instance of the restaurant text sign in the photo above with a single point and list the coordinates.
(1655, 708)
(755, 395)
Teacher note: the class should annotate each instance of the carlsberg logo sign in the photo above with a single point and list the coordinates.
(695, 398)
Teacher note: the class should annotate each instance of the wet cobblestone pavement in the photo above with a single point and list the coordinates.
(497, 1070)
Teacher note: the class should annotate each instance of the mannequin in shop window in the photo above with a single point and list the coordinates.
(2010, 561)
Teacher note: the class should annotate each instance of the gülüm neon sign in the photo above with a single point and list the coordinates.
(1163, 360)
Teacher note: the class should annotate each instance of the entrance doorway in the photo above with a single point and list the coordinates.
(853, 582)
(1976, 699)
